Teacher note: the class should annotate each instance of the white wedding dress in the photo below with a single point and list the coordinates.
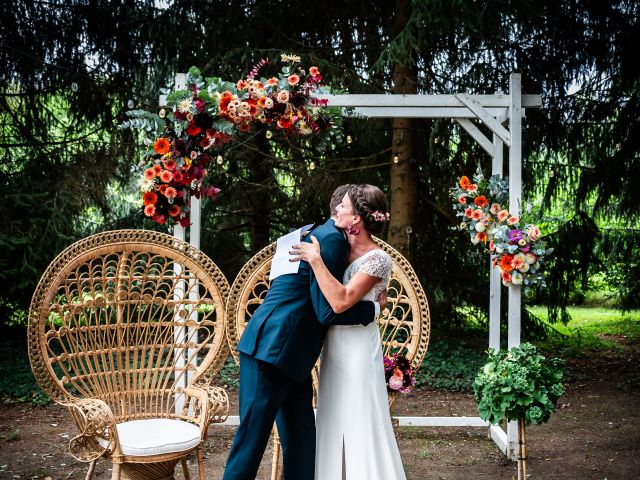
(354, 435)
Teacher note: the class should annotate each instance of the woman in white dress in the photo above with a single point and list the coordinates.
(354, 435)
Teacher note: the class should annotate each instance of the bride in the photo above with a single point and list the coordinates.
(354, 435)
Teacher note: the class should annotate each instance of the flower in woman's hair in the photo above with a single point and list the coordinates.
(149, 174)
(157, 169)
(503, 215)
(283, 96)
(150, 210)
(166, 176)
(174, 210)
(495, 208)
(149, 198)
(464, 182)
(161, 145)
(379, 216)
(185, 106)
(293, 79)
(481, 201)
(314, 72)
(513, 220)
(170, 193)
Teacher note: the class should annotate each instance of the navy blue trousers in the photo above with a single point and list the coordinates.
(267, 394)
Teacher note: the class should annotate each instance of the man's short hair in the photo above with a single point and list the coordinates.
(337, 196)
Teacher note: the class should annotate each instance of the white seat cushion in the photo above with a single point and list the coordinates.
(156, 436)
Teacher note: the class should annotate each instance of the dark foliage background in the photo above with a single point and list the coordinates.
(72, 68)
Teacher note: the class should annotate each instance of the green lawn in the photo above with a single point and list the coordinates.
(593, 329)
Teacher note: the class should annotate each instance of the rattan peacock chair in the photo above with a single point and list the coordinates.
(405, 324)
(126, 330)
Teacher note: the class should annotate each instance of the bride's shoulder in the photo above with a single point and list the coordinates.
(376, 262)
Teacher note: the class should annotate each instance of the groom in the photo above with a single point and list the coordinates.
(278, 349)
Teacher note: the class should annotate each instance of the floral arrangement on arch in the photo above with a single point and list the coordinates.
(188, 135)
(398, 374)
(517, 247)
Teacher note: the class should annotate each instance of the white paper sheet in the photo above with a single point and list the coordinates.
(280, 265)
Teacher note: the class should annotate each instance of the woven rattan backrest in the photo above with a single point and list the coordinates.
(404, 325)
(129, 317)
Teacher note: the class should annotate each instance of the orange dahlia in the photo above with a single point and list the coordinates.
(505, 263)
(149, 198)
(464, 182)
(161, 145)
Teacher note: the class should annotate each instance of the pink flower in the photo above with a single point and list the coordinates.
(513, 220)
(533, 233)
(273, 81)
(495, 208)
(314, 71)
(149, 174)
(472, 188)
(481, 236)
(293, 80)
(150, 210)
(283, 96)
(476, 215)
(503, 215)
(517, 262)
(241, 85)
(462, 199)
(468, 212)
(166, 176)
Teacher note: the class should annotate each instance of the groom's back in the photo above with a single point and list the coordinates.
(285, 330)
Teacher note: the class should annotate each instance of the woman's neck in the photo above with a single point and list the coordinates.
(360, 244)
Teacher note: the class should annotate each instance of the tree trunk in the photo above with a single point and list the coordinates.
(260, 177)
(404, 168)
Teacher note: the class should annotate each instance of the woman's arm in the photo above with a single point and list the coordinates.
(340, 297)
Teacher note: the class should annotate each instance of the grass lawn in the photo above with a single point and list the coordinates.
(593, 329)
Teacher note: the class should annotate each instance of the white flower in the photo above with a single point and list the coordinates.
(185, 106)
(516, 278)
(530, 258)
(304, 128)
(480, 227)
(524, 268)
(463, 226)
(536, 265)
(145, 185)
(290, 58)
(475, 240)
(522, 242)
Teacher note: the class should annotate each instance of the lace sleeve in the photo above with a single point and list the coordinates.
(377, 264)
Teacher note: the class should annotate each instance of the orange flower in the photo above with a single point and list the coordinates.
(481, 201)
(262, 102)
(161, 146)
(150, 210)
(505, 263)
(242, 85)
(272, 81)
(174, 210)
(149, 198)
(157, 169)
(166, 176)
(170, 192)
(293, 80)
(314, 71)
(464, 182)
(149, 174)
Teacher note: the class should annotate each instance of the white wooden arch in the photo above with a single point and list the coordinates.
(494, 111)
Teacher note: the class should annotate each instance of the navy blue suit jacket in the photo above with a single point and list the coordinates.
(289, 328)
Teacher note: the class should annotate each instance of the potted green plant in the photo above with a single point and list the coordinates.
(519, 384)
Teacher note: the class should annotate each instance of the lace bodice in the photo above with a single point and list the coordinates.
(376, 263)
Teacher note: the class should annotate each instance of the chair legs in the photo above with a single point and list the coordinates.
(185, 469)
(115, 473)
(200, 463)
(92, 467)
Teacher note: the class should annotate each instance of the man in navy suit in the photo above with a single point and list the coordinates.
(278, 349)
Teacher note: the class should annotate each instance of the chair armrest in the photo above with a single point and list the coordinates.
(213, 403)
(95, 420)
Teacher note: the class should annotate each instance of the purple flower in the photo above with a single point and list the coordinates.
(526, 248)
(395, 383)
(388, 364)
(515, 236)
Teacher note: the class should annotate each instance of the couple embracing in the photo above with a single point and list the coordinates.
(332, 300)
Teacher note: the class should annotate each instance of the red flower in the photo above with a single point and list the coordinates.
(184, 221)
(149, 198)
(150, 210)
(192, 129)
(245, 127)
(174, 210)
(462, 199)
(481, 201)
(166, 176)
(159, 219)
(157, 169)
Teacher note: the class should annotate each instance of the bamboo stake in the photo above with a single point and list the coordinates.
(522, 451)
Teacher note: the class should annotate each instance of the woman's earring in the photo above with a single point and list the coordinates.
(353, 230)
